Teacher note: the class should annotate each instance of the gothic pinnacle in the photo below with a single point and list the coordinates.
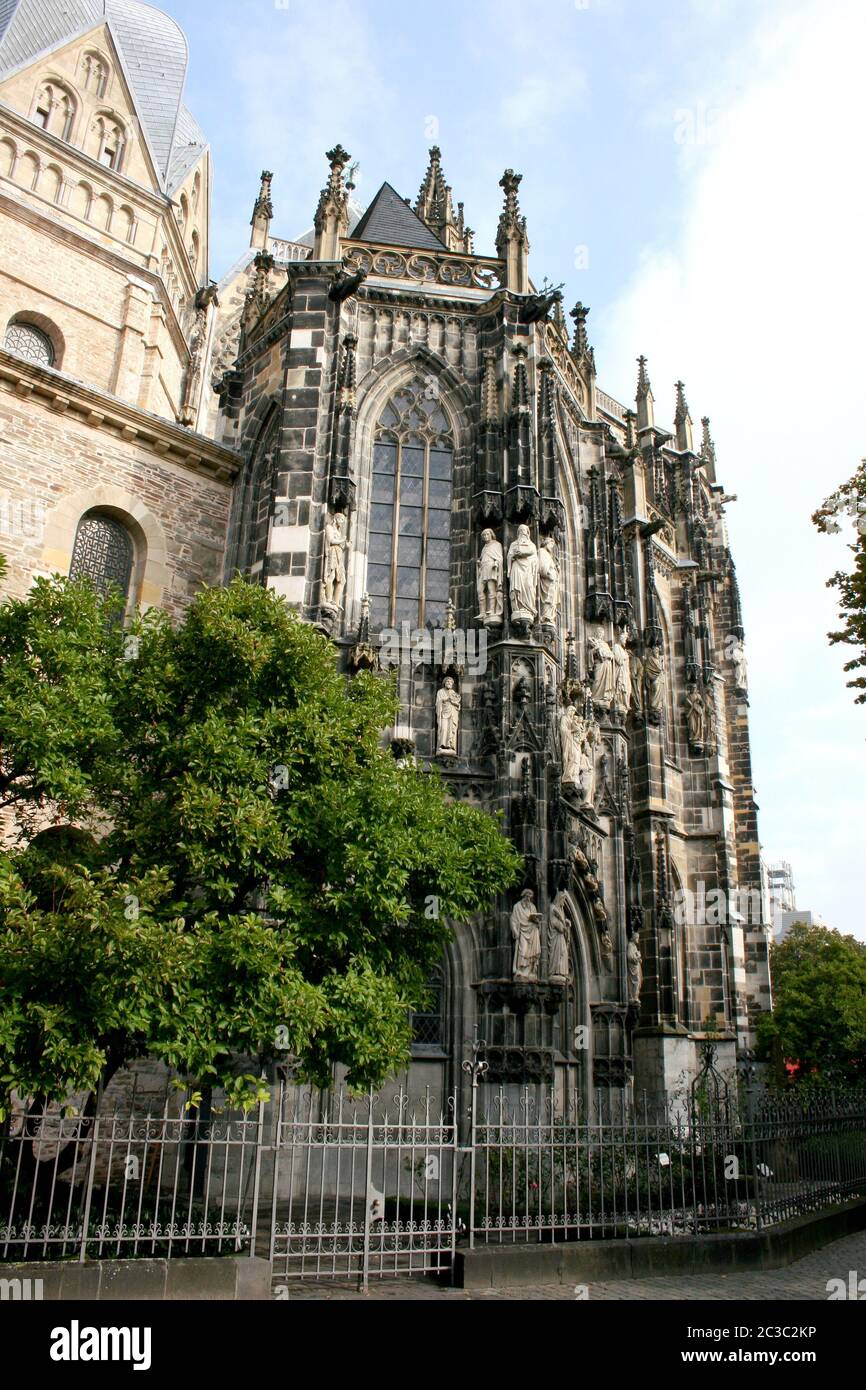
(683, 421)
(512, 241)
(435, 206)
(262, 214)
(644, 398)
(332, 214)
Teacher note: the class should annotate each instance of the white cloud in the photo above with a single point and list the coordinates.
(760, 307)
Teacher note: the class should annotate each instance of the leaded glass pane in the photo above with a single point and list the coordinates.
(384, 458)
(440, 463)
(379, 579)
(381, 518)
(103, 554)
(380, 549)
(440, 494)
(438, 554)
(411, 491)
(408, 582)
(411, 521)
(412, 462)
(439, 525)
(383, 487)
(437, 584)
(409, 551)
(26, 341)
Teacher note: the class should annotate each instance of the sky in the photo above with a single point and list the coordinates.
(693, 171)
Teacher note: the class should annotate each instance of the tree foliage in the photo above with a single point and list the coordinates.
(850, 501)
(819, 1002)
(212, 854)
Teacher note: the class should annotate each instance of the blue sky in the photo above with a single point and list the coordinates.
(693, 172)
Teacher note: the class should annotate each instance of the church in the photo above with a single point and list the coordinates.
(405, 438)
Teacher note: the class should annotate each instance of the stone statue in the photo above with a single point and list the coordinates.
(335, 560)
(695, 714)
(559, 969)
(741, 667)
(589, 738)
(570, 734)
(448, 703)
(491, 579)
(654, 680)
(548, 581)
(711, 717)
(634, 967)
(525, 930)
(637, 681)
(622, 675)
(607, 949)
(523, 576)
(604, 677)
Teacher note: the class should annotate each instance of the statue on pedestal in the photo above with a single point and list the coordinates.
(525, 930)
(448, 703)
(548, 582)
(491, 579)
(334, 583)
(523, 577)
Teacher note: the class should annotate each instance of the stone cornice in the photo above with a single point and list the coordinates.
(169, 441)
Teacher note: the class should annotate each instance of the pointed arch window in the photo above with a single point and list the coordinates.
(428, 1026)
(409, 557)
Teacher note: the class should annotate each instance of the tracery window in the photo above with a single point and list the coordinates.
(25, 340)
(103, 554)
(54, 110)
(409, 558)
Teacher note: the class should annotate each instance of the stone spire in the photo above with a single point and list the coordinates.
(263, 213)
(512, 241)
(683, 421)
(435, 207)
(580, 349)
(332, 215)
(708, 449)
(645, 402)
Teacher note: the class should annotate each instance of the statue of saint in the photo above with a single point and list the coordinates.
(559, 969)
(711, 717)
(448, 703)
(637, 681)
(604, 677)
(523, 576)
(634, 968)
(589, 737)
(335, 560)
(548, 581)
(654, 679)
(491, 579)
(695, 715)
(622, 675)
(525, 930)
(569, 736)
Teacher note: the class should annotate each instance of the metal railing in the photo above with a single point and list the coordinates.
(331, 1186)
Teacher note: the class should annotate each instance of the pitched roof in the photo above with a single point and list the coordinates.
(391, 222)
(153, 50)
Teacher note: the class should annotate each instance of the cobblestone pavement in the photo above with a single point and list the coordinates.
(804, 1281)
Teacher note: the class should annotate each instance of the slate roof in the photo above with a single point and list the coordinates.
(391, 222)
(154, 53)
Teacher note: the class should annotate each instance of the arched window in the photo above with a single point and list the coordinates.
(26, 340)
(54, 109)
(110, 141)
(428, 1028)
(103, 554)
(409, 557)
(95, 73)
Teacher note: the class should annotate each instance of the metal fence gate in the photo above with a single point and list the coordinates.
(363, 1188)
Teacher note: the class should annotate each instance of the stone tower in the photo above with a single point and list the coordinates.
(433, 477)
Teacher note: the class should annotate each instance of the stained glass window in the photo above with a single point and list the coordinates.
(409, 555)
(103, 554)
(26, 341)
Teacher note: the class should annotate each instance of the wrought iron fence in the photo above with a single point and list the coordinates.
(331, 1186)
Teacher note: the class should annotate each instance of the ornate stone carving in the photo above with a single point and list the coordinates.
(526, 934)
(548, 581)
(448, 703)
(693, 701)
(569, 735)
(491, 580)
(523, 577)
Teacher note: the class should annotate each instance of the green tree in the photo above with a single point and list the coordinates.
(249, 869)
(850, 501)
(819, 1002)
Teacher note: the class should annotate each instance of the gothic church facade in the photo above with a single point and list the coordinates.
(404, 439)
